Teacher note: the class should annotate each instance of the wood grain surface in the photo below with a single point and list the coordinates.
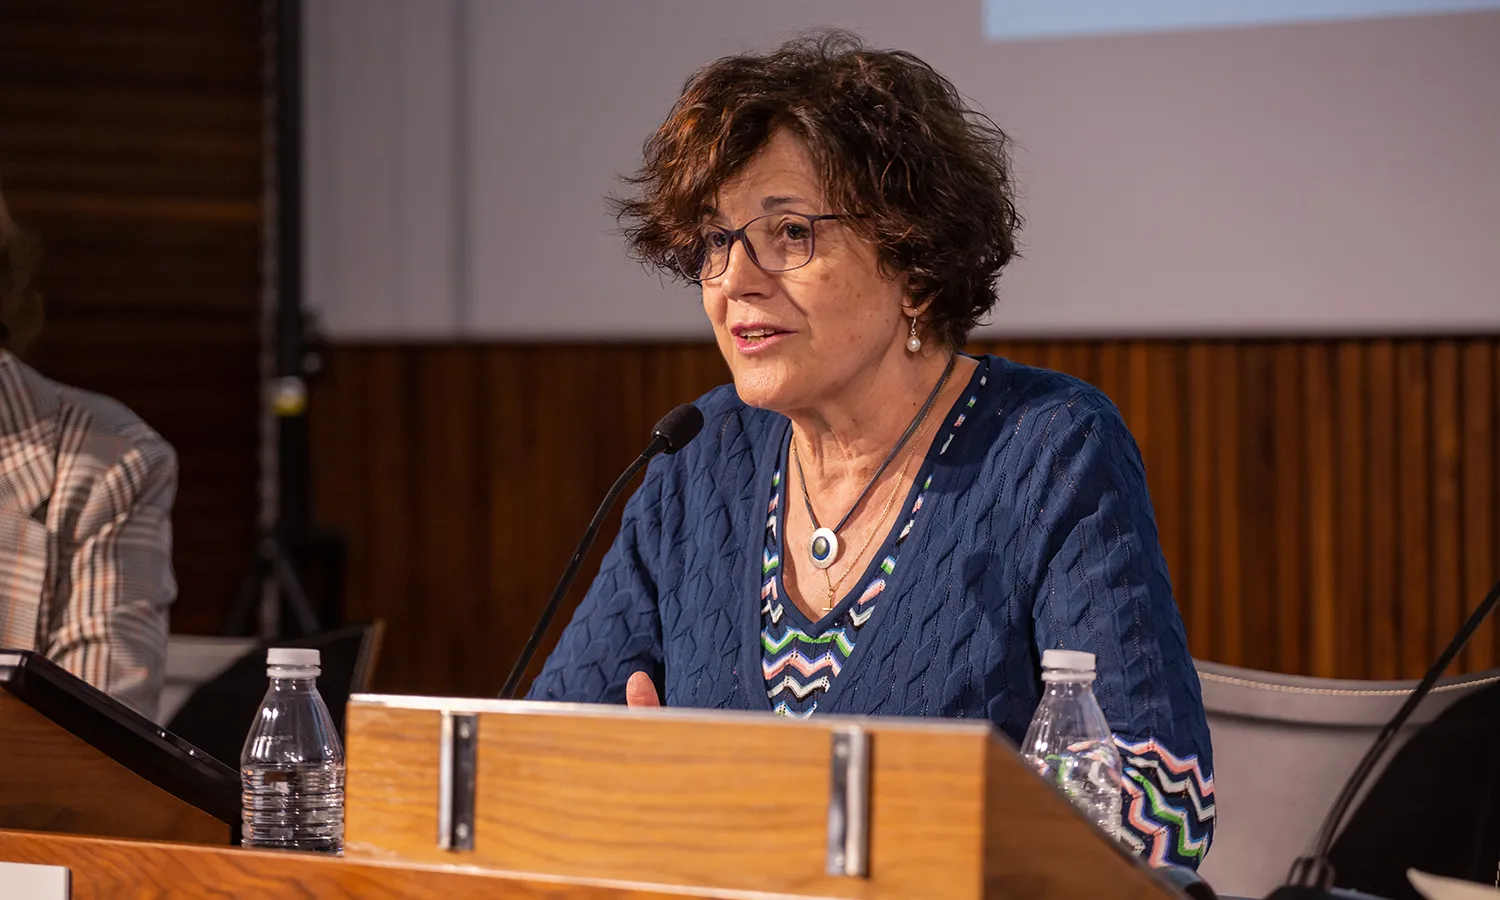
(690, 799)
(134, 870)
(52, 781)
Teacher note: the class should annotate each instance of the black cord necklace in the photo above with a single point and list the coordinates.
(823, 548)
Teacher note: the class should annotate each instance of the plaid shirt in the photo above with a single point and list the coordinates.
(86, 492)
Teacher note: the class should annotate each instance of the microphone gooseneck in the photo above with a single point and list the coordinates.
(1311, 877)
(669, 435)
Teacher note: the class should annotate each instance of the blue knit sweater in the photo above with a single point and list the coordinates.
(1036, 532)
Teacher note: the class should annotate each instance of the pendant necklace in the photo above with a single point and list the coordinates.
(833, 586)
(823, 548)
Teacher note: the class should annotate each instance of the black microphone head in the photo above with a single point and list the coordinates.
(678, 427)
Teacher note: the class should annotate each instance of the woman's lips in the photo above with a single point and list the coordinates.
(754, 339)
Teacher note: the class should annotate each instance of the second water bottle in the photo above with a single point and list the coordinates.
(1069, 741)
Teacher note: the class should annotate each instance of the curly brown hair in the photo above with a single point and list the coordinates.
(20, 306)
(893, 140)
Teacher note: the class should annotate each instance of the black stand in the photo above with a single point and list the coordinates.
(290, 548)
(272, 567)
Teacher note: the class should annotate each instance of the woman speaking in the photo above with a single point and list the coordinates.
(872, 522)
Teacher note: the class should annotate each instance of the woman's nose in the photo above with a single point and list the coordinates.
(742, 278)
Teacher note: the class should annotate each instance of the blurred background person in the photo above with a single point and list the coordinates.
(86, 491)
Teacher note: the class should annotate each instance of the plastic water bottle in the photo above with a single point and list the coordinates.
(292, 767)
(1069, 740)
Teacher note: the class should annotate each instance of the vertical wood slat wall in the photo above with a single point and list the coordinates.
(1326, 507)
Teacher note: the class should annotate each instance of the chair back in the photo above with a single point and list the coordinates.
(193, 660)
(1283, 747)
(218, 715)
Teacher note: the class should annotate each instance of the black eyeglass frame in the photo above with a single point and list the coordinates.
(741, 234)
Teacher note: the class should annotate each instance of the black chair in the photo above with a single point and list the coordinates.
(217, 716)
(1434, 806)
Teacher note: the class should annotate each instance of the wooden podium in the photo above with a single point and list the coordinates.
(720, 801)
(453, 798)
(74, 760)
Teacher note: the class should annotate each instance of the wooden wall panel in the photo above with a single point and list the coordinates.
(1481, 539)
(1352, 449)
(1383, 554)
(130, 144)
(1413, 492)
(1284, 428)
(1326, 507)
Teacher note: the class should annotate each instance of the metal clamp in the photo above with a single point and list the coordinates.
(458, 746)
(849, 804)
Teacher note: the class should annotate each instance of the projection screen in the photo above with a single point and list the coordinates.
(1220, 167)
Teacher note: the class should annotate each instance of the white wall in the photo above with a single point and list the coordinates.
(386, 178)
(1334, 178)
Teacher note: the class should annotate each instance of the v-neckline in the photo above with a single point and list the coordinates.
(777, 453)
(836, 613)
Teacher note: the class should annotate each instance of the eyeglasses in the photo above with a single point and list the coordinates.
(778, 242)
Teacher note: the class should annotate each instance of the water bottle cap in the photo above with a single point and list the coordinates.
(294, 657)
(1069, 660)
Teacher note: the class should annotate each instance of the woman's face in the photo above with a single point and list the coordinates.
(798, 339)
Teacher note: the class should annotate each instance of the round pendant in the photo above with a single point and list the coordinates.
(824, 548)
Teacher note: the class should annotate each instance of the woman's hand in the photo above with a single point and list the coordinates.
(640, 691)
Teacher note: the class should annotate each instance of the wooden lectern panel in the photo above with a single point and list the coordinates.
(1037, 845)
(51, 780)
(727, 800)
(106, 869)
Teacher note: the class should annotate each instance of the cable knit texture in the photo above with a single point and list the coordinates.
(1037, 532)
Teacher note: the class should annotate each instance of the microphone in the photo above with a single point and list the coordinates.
(1311, 877)
(671, 434)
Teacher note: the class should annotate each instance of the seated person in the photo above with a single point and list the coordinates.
(872, 522)
(86, 492)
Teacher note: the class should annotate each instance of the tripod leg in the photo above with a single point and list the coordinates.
(301, 607)
(248, 598)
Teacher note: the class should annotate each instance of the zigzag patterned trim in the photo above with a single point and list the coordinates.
(782, 709)
(799, 690)
(775, 612)
(835, 636)
(1168, 813)
(871, 592)
(1155, 754)
(795, 660)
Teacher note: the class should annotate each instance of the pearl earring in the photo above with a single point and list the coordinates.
(913, 343)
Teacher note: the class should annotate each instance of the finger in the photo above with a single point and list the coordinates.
(639, 691)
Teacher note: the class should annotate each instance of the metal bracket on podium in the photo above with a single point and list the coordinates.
(849, 804)
(458, 751)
